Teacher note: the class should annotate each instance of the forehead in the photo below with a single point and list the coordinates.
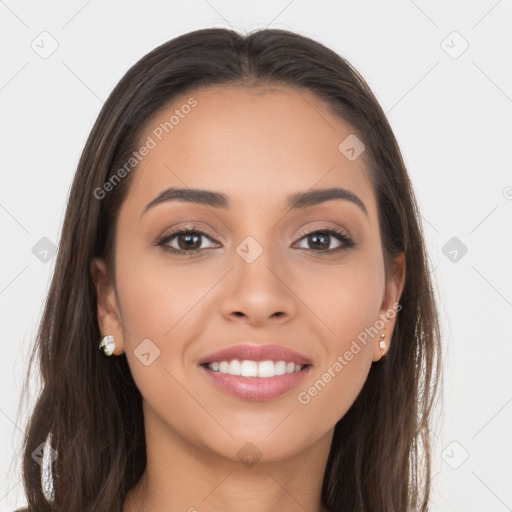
(258, 143)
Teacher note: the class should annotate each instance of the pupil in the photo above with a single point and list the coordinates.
(325, 237)
(188, 238)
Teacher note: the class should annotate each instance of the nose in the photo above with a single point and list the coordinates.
(260, 291)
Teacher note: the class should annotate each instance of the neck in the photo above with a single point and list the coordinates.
(181, 476)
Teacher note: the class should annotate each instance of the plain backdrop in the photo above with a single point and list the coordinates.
(442, 72)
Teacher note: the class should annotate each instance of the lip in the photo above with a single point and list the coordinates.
(254, 352)
(256, 388)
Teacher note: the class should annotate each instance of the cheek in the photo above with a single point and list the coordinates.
(337, 380)
(335, 387)
(154, 300)
(156, 294)
(346, 302)
(158, 303)
(344, 299)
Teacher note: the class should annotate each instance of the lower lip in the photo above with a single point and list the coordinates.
(256, 388)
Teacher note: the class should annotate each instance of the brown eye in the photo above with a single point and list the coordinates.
(321, 240)
(189, 241)
(184, 242)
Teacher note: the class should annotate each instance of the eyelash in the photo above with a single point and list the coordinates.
(347, 242)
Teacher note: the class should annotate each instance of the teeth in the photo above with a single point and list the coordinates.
(234, 367)
(248, 369)
(280, 368)
(266, 369)
(262, 369)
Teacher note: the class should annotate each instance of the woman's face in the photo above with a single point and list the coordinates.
(258, 276)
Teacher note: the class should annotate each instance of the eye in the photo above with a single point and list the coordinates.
(319, 240)
(186, 241)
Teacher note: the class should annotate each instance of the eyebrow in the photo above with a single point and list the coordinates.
(219, 200)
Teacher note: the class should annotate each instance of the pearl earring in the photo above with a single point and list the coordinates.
(107, 345)
(382, 343)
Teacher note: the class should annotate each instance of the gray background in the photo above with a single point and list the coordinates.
(449, 106)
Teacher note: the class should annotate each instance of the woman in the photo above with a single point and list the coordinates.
(241, 315)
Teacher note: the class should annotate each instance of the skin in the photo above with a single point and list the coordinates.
(257, 147)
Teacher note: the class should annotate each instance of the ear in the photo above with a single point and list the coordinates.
(393, 289)
(109, 318)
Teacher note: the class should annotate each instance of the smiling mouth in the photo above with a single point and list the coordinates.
(255, 380)
(259, 369)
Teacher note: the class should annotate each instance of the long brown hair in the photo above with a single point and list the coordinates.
(89, 409)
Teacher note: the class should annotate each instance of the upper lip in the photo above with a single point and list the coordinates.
(255, 352)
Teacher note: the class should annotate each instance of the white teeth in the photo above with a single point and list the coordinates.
(266, 369)
(248, 369)
(234, 367)
(262, 369)
(280, 367)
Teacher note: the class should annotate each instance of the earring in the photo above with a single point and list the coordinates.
(107, 345)
(382, 343)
